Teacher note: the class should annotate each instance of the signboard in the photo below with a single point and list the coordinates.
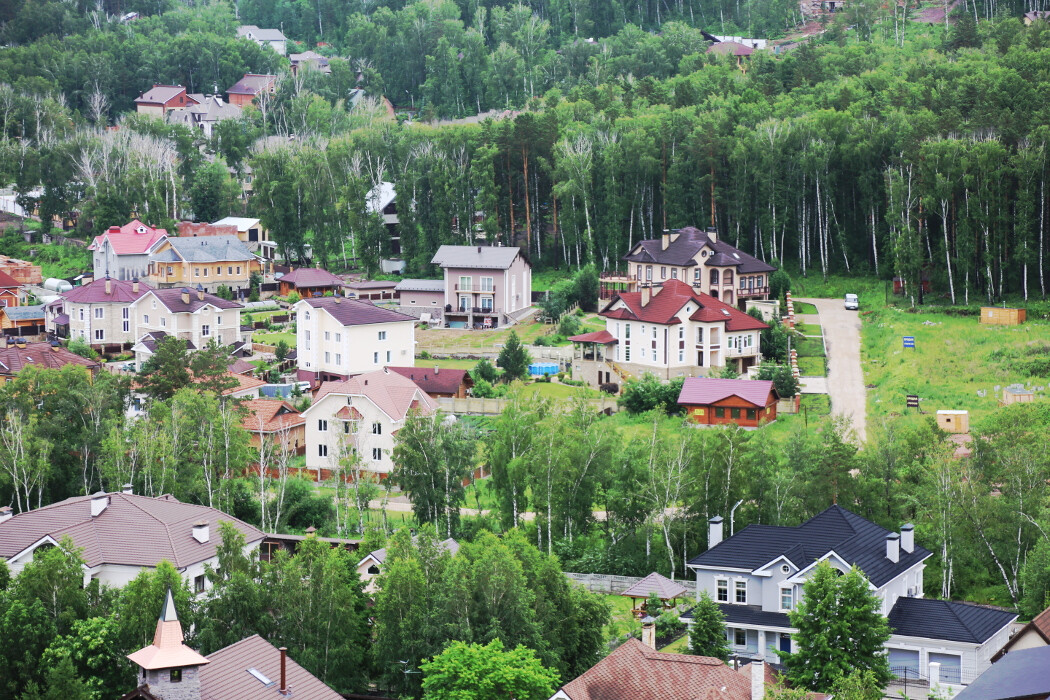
(909, 341)
(912, 401)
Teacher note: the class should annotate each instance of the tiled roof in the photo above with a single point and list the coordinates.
(240, 366)
(666, 301)
(13, 358)
(133, 238)
(389, 391)
(445, 381)
(480, 257)
(450, 545)
(211, 248)
(270, 415)
(160, 94)
(252, 84)
(413, 285)
(312, 277)
(1040, 626)
(121, 292)
(226, 676)
(945, 619)
(132, 530)
(600, 337)
(172, 300)
(151, 339)
(635, 672)
(730, 48)
(354, 312)
(701, 391)
(24, 313)
(662, 586)
(682, 252)
(858, 541)
(1021, 674)
(243, 383)
(7, 280)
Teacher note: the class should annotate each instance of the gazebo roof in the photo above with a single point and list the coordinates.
(662, 586)
(599, 337)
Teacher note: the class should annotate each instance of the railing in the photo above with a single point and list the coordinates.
(752, 291)
(472, 310)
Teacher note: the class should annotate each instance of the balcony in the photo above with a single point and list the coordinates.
(748, 292)
(473, 310)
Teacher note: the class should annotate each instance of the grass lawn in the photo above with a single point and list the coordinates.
(678, 646)
(442, 341)
(816, 404)
(480, 492)
(803, 307)
(272, 338)
(622, 622)
(559, 391)
(808, 347)
(870, 289)
(812, 367)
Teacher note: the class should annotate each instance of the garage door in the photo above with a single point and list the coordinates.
(904, 663)
(951, 667)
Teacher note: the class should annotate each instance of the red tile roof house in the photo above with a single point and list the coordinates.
(276, 421)
(121, 533)
(437, 382)
(160, 99)
(9, 287)
(310, 282)
(746, 402)
(245, 90)
(100, 313)
(123, 252)
(15, 357)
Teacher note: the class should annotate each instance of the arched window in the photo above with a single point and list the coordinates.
(714, 276)
(727, 277)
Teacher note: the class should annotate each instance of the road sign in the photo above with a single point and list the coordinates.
(909, 341)
(912, 401)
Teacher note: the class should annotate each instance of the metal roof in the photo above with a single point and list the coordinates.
(481, 256)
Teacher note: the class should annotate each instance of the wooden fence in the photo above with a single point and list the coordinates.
(492, 407)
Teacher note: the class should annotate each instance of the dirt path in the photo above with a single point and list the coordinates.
(845, 377)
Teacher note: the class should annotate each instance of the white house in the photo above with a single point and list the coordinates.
(122, 252)
(273, 38)
(193, 315)
(756, 576)
(372, 565)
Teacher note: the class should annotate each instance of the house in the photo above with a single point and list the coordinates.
(22, 320)
(161, 99)
(746, 402)
(381, 201)
(206, 261)
(244, 387)
(701, 260)
(418, 297)
(732, 48)
(147, 344)
(1034, 634)
(636, 671)
(248, 88)
(437, 382)
(15, 356)
(372, 565)
(273, 38)
(21, 271)
(252, 233)
(757, 575)
(121, 533)
(1023, 675)
(276, 421)
(122, 252)
(194, 316)
(100, 313)
(374, 290)
(204, 115)
(1035, 16)
(251, 668)
(309, 59)
(360, 416)
(337, 337)
(310, 282)
(9, 289)
(483, 284)
(670, 330)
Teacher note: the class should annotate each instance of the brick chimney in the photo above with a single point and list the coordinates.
(649, 632)
(758, 680)
(436, 370)
(109, 286)
(200, 292)
(712, 233)
(5, 514)
(185, 295)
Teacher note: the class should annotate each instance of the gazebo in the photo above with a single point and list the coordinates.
(592, 346)
(667, 590)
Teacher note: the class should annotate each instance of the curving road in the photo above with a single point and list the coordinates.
(845, 376)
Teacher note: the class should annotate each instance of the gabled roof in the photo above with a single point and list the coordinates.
(133, 238)
(252, 84)
(23, 313)
(857, 541)
(239, 366)
(482, 257)
(243, 383)
(261, 34)
(172, 300)
(702, 391)
(445, 381)
(663, 587)
(1020, 674)
(380, 197)
(211, 108)
(393, 394)
(242, 223)
(14, 359)
(635, 672)
(1039, 626)
(668, 300)
(946, 619)
(132, 530)
(730, 48)
(152, 339)
(211, 248)
(688, 242)
(414, 285)
(270, 415)
(227, 676)
(121, 292)
(160, 94)
(355, 312)
(305, 277)
(7, 281)
(599, 337)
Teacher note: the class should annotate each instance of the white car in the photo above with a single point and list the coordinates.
(852, 302)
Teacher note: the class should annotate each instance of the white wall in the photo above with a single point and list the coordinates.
(354, 347)
(337, 441)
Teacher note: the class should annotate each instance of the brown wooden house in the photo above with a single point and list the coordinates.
(746, 402)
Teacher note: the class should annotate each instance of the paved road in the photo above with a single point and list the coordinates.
(845, 377)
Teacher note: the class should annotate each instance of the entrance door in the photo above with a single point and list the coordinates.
(785, 642)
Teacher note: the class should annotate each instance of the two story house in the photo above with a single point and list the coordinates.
(701, 260)
(206, 261)
(247, 89)
(100, 313)
(337, 337)
(757, 577)
(161, 99)
(122, 252)
(193, 315)
(360, 416)
(483, 284)
(272, 38)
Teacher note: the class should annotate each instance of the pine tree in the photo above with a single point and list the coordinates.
(513, 358)
(708, 634)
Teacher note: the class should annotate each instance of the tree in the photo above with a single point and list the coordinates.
(475, 672)
(172, 367)
(213, 192)
(707, 637)
(484, 370)
(783, 378)
(514, 359)
(840, 631)
(62, 683)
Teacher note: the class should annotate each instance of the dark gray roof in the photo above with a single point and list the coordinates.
(354, 312)
(682, 252)
(749, 615)
(480, 256)
(210, 248)
(858, 541)
(411, 285)
(1020, 674)
(944, 619)
(24, 313)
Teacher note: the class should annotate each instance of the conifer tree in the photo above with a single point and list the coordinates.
(707, 637)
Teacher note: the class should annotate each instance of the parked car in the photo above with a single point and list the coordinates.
(852, 302)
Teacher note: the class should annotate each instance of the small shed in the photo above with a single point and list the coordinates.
(666, 590)
(954, 421)
(1016, 394)
(998, 316)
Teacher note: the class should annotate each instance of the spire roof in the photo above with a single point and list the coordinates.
(168, 649)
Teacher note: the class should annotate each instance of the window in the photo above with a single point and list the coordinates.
(99, 311)
(681, 355)
(388, 357)
(654, 332)
(218, 269)
(175, 675)
(229, 270)
(377, 454)
(306, 337)
(722, 590)
(714, 276)
(306, 315)
(196, 272)
(382, 335)
(663, 273)
(81, 313)
(735, 413)
(627, 354)
(338, 337)
(205, 272)
(170, 270)
(699, 336)
(198, 584)
(377, 428)
(639, 273)
(720, 412)
(786, 599)
(126, 326)
(627, 331)
(643, 332)
(322, 450)
(740, 637)
(218, 320)
(487, 285)
(674, 273)
(373, 570)
(464, 284)
(696, 275)
(205, 330)
(322, 425)
(648, 272)
(125, 312)
(154, 303)
(145, 318)
(327, 336)
(681, 332)
(654, 355)
(238, 269)
(375, 358)
(741, 592)
(100, 334)
(163, 322)
(338, 359)
(327, 357)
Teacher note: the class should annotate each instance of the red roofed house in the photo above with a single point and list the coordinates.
(360, 414)
(122, 252)
(670, 330)
(276, 421)
(310, 282)
(14, 357)
(160, 99)
(437, 382)
(745, 402)
(249, 87)
(9, 287)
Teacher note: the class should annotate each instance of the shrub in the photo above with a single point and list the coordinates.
(610, 388)
(484, 370)
(294, 298)
(569, 325)
(424, 355)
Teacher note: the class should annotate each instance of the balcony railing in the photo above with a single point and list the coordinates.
(478, 310)
(752, 291)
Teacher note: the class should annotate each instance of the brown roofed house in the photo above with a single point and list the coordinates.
(276, 421)
(14, 357)
(310, 282)
(9, 287)
(1034, 634)
(160, 99)
(438, 382)
(249, 87)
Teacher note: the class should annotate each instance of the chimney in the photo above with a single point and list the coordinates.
(201, 532)
(647, 293)
(649, 632)
(712, 234)
(436, 370)
(185, 295)
(5, 514)
(893, 547)
(109, 286)
(665, 239)
(908, 538)
(284, 676)
(113, 229)
(758, 680)
(714, 531)
(127, 489)
(99, 502)
(479, 250)
(135, 285)
(200, 292)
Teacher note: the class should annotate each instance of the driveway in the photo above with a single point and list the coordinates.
(845, 377)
